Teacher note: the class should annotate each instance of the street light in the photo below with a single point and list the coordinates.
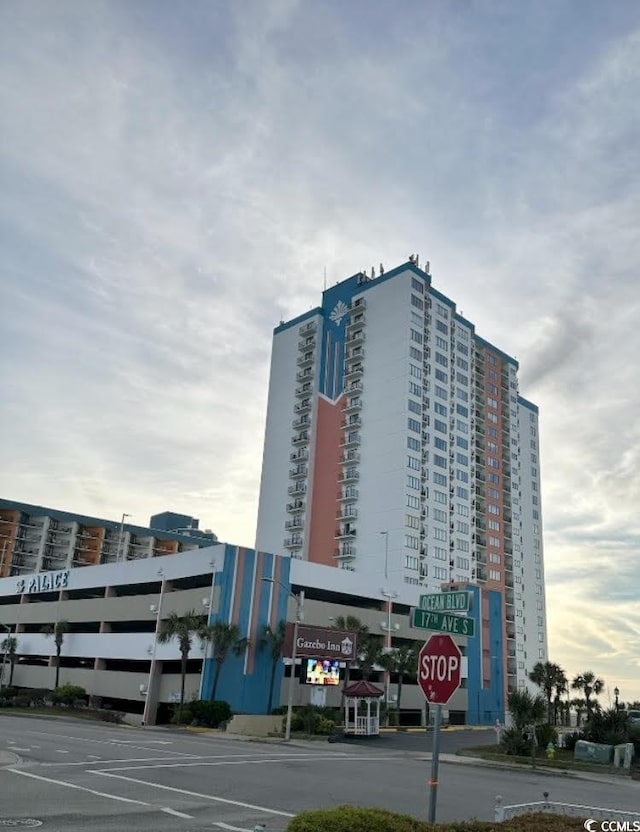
(158, 612)
(616, 693)
(299, 599)
(120, 534)
(4, 655)
(207, 603)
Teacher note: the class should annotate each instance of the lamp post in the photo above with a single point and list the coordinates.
(389, 596)
(121, 534)
(299, 599)
(616, 693)
(158, 612)
(207, 603)
(4, 655)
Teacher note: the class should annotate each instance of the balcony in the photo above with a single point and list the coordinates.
(346, 532)
(353, 421)
(480, 556)
(345, 551)
(481, 574)
(359, 305)
(351, 440)
(298, 488)
(307, 344)
(353, 405)
(508, 563)
(355, 337)
(353, 387)
(293, 542)
(303, 421)
(347, 513)
(356, 370)
(349, 476)
(348, 494)
(299, 472)
(508, 581)
(311, 326)
(301, 438)
(349, 456)
(295, 524)
(304, 390)
(306, 360)
(296, 505)
(305, 375)
(303, 406)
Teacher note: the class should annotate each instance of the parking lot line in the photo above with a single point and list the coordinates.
(283, 758)
(196, 794)
(176, 813)
(79, 788)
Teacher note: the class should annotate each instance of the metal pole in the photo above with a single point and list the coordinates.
(6, 651)
(212, 564)
(147, 704)
(299, 601)
(435, 754)
(120, 535)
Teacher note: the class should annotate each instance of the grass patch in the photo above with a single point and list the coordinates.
(563, 760)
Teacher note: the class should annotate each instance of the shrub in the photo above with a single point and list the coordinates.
(546, 734)
(203, 713)
(313, 720)
(38, 697)
(512, 742)
(357, 819)
(570, 740)
(70, 695)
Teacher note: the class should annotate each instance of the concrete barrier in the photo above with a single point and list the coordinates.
(249, 725)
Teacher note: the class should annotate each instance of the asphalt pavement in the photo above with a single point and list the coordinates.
(68, 776)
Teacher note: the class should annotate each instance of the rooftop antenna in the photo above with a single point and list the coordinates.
(417, 259)
(427, 267)
(373, 272)
(412, 258)
(381, 269)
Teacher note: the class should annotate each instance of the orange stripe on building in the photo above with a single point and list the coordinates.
(237, 592)
(254, 635)
(325, 490)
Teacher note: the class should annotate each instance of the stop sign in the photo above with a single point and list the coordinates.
(439, 663)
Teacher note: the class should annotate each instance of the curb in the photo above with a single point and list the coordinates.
(8, 758)
(480, 762)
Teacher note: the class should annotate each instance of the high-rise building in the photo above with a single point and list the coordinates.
(397, 445)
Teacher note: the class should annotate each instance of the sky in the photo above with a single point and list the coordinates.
(176, 178)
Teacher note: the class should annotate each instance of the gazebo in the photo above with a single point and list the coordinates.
(362, 709)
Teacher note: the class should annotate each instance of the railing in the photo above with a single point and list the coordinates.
(547, 806)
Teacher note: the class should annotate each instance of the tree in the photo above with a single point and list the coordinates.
(588, 683)
(9, 648)
(58, 631)
(273, 640)
(370, 652)
(350, 624)
(401, 660)
(549, 677)
(525, 709)
(184, 628)
(224, 638)
(579, 707)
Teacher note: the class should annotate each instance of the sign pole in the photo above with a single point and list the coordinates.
(435, 755)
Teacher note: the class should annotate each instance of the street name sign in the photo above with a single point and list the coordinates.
(442, 622)
(446, 602)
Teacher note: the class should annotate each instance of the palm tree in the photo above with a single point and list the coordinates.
(588, 683)
(58, 631)
(525, 709)
(184, 628)
(401, 660)
(225, 638)
(273, 639)
(549, 677)
(9, 648)
(350, 624)
(370, 652)
(579, 707)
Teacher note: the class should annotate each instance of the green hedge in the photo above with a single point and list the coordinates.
(202, 713)
(358, 819)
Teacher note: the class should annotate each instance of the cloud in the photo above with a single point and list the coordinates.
(174, 186)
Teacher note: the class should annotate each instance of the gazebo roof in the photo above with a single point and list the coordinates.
(363, 689)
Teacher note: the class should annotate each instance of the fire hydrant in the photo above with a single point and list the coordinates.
(551, 751)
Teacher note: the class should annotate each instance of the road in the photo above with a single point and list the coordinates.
(75, 776)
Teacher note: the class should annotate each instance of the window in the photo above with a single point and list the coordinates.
(412, 521)
(439, 553)
(440, 497)
(462, 510)
(492, 462)
(440, 515)
(439, 573)
(415, 353)
(441, 359)
(492, 402)
(492, 446)
(413, 462)
(418, 285)
(494, 541)
(440, 426)
(416, 336)
(494, 525)
(439, 479)
(462, 443)
(442, 376)
(412, 501)
(492, 417)
(462, 394)
(413, 444)
(462, 379)
(494, 575)
(441, 343)
(462, 563)
(494, 558)
(493, 432)
(414, 407)
(493, 389)
(462, 459)
(439, 461)
(440, 392)
(414, 371)
(462, 363)
(413, 482)
(417, 319)
(462, 545)
(462, 476)
(411, 562)
(442, 327)
(492, 509)
(463, 348)
(462, 493)
(462, 426)
(415, 389)
(461, 410)
(491, 359)
(440, 534)
(414, 425)
(441, 444)
(462, 527)
(541, 653)
(493, 478)
(411, 541)
(441, 409)
(417, 302)
(442, 310)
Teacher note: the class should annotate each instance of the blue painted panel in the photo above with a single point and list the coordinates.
(485, 705)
